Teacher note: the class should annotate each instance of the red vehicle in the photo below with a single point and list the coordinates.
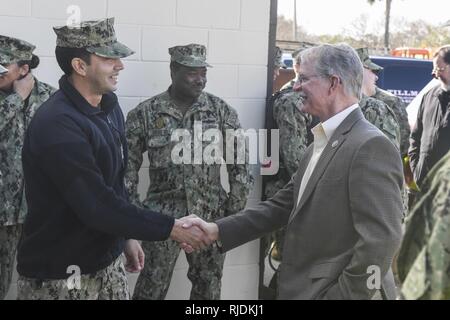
(406, 52)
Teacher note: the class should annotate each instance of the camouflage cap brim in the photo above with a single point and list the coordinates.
(194, 63)
(3, 70)
(373, 66)
(115, 50)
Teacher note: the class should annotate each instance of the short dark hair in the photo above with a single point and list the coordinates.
(33, 63)
(64, 56)
(444, 53)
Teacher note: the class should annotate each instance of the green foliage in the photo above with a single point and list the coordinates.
(415, 34)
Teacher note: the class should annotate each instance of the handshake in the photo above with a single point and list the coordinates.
(193, 233)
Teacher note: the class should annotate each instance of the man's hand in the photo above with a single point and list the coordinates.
(193, 237)
(210, 230)
(135, 256)
(24, 86)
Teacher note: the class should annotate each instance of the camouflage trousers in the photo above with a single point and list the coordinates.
(9, 238)
(110, 283)
(205, 271)
(405, 199)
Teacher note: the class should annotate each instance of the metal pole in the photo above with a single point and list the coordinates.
(295, 20)
(263, 291)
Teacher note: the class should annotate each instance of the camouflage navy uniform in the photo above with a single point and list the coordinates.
(293, 125)
(424, 258)
(393, 102)
(109, 283)
(398, 106)
(278, 59)
(382, 117)
(15, 115)
(288, 85)
(97, 37)
(182, 189)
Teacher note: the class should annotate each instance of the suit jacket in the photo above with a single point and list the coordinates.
(347, 226)
(429, 140)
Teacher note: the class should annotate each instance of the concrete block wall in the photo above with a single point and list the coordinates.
(236, 35)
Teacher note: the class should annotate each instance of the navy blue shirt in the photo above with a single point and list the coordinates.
(74, 158)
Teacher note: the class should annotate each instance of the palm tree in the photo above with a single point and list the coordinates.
(386, 24)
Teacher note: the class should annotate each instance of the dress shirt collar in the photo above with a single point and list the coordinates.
(330, 126)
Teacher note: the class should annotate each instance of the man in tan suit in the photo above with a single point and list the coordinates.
(343, 207)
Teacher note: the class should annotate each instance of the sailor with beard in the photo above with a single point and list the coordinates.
(430, 135)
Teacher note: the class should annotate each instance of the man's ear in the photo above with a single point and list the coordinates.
(79, 66)
(24, 70)
(335, 81)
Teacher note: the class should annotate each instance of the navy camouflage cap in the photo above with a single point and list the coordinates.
(191, 55)
(3, 70)
(363, 54)
(278, 61)
(13, 50)
(96, 36)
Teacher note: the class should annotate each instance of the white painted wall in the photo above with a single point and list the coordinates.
(236, 35)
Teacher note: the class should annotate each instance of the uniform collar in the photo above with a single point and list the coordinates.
(330, 126)
(170, 107)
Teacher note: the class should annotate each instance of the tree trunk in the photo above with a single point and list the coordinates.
(386, 26)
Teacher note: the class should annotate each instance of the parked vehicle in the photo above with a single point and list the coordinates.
(404, 77)
(287, 60)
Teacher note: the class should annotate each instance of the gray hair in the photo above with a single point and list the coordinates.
(339, 60)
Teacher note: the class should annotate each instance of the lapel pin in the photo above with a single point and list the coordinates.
(335, 143)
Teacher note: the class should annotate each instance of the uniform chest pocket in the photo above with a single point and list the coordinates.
(209, 129)
(159, 147)
(209, 125)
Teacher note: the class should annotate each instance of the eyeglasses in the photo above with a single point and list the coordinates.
(437, 70)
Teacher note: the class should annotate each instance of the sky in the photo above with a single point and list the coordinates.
(332, 16)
